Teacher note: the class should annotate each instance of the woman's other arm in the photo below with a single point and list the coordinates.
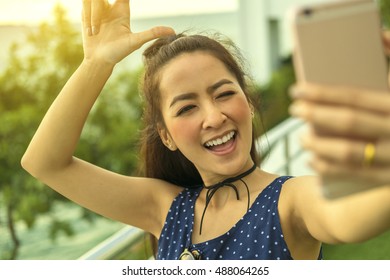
(49, 156)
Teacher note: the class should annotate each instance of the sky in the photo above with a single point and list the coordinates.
(36, 11)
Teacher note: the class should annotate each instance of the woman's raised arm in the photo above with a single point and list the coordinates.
(107, 39)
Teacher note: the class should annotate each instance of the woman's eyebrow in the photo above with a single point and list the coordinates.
(184, 96)
(217, 85)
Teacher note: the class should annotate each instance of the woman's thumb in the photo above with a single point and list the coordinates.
(151, 34)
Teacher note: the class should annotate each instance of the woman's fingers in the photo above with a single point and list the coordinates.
(86, 16)
(333, 149)
(348, 152)
(93, 14)
(143, 37)
(350, 133)
(374, 175)
(343, 120)
(97, 11)
(110, 37)
(377, 101)
(347, 165)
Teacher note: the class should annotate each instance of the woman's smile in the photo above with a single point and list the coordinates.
(222, 145)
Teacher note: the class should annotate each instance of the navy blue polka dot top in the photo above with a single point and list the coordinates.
(257, 235)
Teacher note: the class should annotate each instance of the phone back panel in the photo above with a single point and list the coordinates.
(340, 43)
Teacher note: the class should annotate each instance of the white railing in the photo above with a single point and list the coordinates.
(281, 150)
(115, 245)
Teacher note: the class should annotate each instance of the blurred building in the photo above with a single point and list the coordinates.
(259, 27)
(265, 33)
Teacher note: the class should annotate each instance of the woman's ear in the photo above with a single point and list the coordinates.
(252, 110)
(166, 138)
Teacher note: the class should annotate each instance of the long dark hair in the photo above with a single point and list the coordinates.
(157, 161)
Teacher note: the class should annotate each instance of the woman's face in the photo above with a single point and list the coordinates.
(207, 115)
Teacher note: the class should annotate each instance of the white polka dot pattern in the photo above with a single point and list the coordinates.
(257, 235)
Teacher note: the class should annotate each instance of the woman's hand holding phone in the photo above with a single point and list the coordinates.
(343, 121)
(343, 94)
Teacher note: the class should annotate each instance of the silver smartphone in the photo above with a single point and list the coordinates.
(340, 43)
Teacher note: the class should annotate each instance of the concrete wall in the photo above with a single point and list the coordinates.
(265, 33)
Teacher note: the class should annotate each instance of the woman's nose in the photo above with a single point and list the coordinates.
(213, 117)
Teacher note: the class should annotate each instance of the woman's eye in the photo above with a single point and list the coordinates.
(225, 94)
(185, 109)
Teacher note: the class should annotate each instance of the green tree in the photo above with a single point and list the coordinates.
(27, 86)
(384, 6)
(35, 73)
(273, 96)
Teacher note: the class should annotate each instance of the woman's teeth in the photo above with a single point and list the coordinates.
(220, 141)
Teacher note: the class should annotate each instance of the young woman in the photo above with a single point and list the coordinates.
(203, 195)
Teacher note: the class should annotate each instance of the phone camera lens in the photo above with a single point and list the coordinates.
(307, 12)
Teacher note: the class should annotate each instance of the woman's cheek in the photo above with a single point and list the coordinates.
(184, 131)
(241, 110)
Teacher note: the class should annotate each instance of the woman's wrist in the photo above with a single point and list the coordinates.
(95, 63)
(97, 68)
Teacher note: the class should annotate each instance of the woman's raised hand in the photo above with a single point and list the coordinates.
(107, 34)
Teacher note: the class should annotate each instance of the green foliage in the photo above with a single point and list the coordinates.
(110, 137)
(384, 6)
(377, 248)
(33, 76)
(274, 97)
(58, 226)
(36, 71)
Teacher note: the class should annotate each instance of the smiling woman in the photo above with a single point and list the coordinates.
(199, 83)
(198, 153)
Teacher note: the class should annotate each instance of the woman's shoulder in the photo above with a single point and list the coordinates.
(296, 188)
(297, 183)
(295, 191)
(163, 189)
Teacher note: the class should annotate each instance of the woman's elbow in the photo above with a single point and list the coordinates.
(34, 166)
(27, 163)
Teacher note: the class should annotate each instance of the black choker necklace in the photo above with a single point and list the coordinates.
(211, 190)
(195, 254)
